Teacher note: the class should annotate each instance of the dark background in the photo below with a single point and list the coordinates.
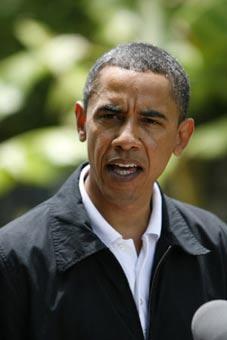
(46, 51)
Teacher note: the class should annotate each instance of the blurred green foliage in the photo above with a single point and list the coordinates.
(46, 51)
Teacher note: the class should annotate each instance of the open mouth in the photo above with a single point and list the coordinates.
(128, 170)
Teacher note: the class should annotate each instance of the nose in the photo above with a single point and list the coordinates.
(127, 137)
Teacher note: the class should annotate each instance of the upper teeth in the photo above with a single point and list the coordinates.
(126, 165)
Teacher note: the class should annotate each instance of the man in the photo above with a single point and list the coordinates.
(110, 256)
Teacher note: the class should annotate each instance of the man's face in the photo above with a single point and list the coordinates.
(132, 128)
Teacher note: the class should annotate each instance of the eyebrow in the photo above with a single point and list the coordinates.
(146, 113)
(153, 114)
(110, 107)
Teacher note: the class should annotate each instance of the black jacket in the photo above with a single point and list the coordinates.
(58, 281)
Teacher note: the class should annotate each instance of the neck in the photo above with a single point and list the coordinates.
(131, 222)
(130, 219)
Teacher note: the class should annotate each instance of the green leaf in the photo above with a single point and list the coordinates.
(38, 156)
(209, 141)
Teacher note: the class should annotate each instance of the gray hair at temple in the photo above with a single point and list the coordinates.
(143, 57)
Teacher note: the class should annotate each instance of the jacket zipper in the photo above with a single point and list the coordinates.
(152, 292)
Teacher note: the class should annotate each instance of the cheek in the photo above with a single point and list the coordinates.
(161, 148)
(156, 144)
(166, 141)
(98, 143)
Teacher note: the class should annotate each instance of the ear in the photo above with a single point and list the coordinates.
(81, 120)
(185, 131)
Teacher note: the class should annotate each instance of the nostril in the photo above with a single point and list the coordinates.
(126, 143)
(126, 136)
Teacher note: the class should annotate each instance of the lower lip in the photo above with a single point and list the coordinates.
(124, 174)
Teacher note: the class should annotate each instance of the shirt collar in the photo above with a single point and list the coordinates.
(155, 221)
(104, 230)
(72, 237)
(100, 226)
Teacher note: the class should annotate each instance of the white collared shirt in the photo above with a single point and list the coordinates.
(137, 268)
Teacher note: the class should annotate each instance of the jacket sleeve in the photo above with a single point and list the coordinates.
(13, 311)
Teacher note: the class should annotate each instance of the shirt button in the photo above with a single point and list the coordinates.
(141, 302)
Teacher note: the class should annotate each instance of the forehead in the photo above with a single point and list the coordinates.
(122, 85)
(118, 80)
(113, 75)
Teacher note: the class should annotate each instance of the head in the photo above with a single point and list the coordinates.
(143, 57)
(133, 119)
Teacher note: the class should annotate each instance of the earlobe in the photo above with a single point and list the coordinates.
(185, 131)
(81, 120)
(82, 136)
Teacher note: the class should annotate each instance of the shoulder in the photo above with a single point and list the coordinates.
(25, 228)
(198, 215)
(26, 258)
(25, 240)
(202, 222)
(33, 227)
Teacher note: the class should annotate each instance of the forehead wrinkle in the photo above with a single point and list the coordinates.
(116, 79)
(114, 84)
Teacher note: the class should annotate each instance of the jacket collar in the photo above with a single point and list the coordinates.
(71, 233)
(73, 239)
(179, 231)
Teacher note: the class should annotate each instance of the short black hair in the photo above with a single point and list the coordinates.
(143, 57)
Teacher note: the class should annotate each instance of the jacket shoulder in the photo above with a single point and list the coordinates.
(24, 239)
(25, 254)
(26, 227)
(196, 213)
(202, 222)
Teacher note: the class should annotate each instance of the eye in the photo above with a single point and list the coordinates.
(150, 121)
(152, 118)
(110, 113)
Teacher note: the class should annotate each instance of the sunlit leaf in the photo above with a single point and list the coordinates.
(11, 99)
(209, 141)
(67, 89)
(21, 70)
(152, 28)
(6, 181)
(188, 54)
(37, 156)
(62, 51)
(31, 33)
(122, 26)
